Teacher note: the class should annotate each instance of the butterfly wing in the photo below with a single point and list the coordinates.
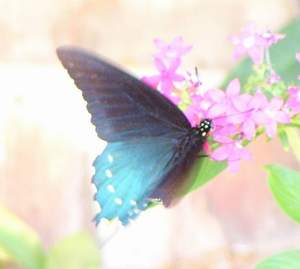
(143, 130)
(122, 107)
(127, 174)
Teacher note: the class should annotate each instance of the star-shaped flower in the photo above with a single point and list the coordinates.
(175, 49)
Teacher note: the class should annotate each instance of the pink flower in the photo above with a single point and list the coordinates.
(247, 110)
(167, 61)
(216, 105)
(293, 101)
(270, 38)
(220, 101)
(248, 42)
(166, 78)
(236, 116)
(253, 43)
(271, 115)
(175, 49)
(233, 152)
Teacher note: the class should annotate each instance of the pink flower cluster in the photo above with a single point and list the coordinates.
(253, 43)
(236, 116)
(167, 60)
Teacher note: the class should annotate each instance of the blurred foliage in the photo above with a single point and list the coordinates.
(20, 242)
(282, 57)
(285, 260)
(208, 170)
(285, 186)
(75, 252)
(20, 245)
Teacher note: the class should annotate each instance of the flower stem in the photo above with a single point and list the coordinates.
(268, 59)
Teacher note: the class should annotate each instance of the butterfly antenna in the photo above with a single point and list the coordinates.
(198, 83)
(195, 82)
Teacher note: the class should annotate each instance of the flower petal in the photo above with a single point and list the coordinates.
(248, 129)
(177, 77)
(152, 81)
(216, 110)
(215, 95)
(233, 88)
(298, 56)
(159, 64)
(282, 117)
(221, 153)
(166, 86)
(276, 103)
(271, 129)
(174, 64)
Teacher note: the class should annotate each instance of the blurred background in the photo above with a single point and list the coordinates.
(47, 144)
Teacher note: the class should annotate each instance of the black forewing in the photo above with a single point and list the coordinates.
(122, 107)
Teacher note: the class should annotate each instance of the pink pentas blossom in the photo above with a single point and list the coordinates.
(166, 78)
(233, 152)
(245, 111)
(218, 106)
(251, 122)
(175, 49)
(269, 38)
(248, 42)
(215, 102)
(293, 102)
(236, 116)
(253, 43)
(167, 61)
(272, 114)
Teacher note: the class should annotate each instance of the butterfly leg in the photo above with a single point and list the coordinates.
(203, 156)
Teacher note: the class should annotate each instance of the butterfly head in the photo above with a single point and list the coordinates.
(204, 127)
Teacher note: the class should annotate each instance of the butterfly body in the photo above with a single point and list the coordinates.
(151, 144)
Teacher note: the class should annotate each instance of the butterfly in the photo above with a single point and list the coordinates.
(151, 145)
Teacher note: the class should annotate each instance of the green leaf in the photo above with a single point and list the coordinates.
(20, 242)
(282, 57)
(205, 170)
(75, 252)
(4, 257)
(285, 260)
(285, 186)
